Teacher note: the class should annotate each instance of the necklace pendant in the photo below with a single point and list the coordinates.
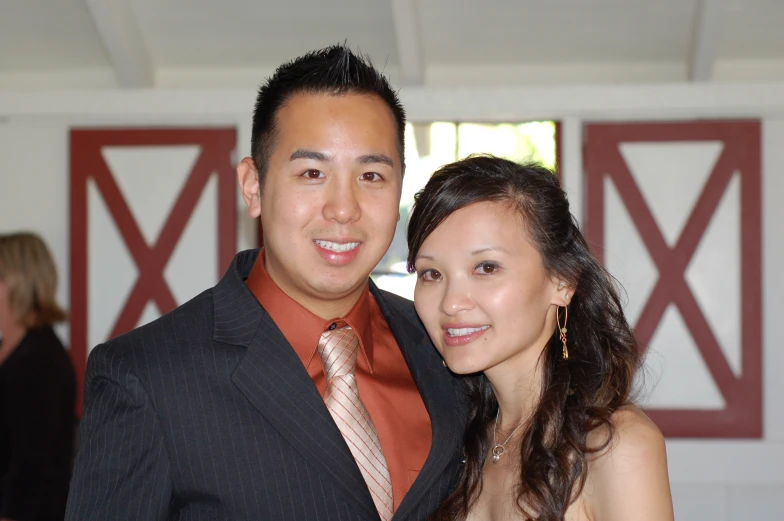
(498, 451)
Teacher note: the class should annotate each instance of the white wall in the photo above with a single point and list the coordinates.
(34, 188)
(716, 480)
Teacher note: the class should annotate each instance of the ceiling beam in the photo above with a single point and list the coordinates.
(409, 45)
(655, 101)
(705, 39)
(116, 23)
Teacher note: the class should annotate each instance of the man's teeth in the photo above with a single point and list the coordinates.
(465, 330)
(337, 247)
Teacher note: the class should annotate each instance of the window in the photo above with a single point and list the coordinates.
(431, 145)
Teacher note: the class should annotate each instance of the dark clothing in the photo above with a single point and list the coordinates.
(386, 387)
(37, 424)
(208, 413)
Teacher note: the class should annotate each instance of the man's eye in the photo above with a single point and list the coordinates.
(371, 176)
(313, 174)
(430, 275)
(486, 268)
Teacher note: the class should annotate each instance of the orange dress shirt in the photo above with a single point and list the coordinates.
(386, 386)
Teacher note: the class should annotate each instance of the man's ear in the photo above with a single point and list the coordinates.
(248, 179)
(563, 292)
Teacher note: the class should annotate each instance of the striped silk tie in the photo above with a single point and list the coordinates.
(338, 351)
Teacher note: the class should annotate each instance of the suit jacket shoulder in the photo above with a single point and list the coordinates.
(162, 357)
(193, 316)
(401, 305)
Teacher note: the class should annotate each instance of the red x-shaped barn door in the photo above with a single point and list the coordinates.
(88, 164)
(740, 156)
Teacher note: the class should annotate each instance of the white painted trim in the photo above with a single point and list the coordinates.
(572, 174)
(90, 78)
(772, 281)
(116, 23)
(486, 75)
(707, 23)
(611, 102)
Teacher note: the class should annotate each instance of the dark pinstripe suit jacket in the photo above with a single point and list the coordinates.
(207, 413)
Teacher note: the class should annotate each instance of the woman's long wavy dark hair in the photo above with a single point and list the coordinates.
(578, 395)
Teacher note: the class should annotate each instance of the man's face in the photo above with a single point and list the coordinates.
(330, 199)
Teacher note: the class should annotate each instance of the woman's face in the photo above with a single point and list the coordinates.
(482, 291)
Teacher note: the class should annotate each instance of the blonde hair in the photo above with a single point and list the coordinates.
(29, 273)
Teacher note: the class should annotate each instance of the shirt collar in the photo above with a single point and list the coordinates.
(302, 328)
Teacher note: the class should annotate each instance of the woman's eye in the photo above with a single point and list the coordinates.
(486, 268)
(430, 275)
(371, 176)
(313, 174)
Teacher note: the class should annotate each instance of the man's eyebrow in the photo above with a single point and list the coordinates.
(304, 153)
(376, 158)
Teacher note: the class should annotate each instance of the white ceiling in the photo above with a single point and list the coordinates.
(48, 34)
(50, 44)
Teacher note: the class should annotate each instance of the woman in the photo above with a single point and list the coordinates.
(37, 385)
(513, 299)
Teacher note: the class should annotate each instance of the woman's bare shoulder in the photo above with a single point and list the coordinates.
(628, 479)
(634, 435)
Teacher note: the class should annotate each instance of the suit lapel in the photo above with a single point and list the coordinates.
(438, 390)
(273, 379)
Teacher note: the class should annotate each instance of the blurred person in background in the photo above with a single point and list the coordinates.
(37, 385)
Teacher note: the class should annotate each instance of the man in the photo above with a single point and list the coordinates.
(294, 389)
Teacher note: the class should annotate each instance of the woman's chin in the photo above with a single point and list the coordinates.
(463, 366)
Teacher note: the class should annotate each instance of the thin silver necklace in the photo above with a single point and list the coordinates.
(499, 449)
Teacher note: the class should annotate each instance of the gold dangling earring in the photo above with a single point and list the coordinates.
(562, 331)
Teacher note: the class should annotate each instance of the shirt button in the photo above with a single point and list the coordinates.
(333, 325)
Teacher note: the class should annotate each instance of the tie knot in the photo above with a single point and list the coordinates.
(338, 351)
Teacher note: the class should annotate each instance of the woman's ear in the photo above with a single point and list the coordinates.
(563, 293)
